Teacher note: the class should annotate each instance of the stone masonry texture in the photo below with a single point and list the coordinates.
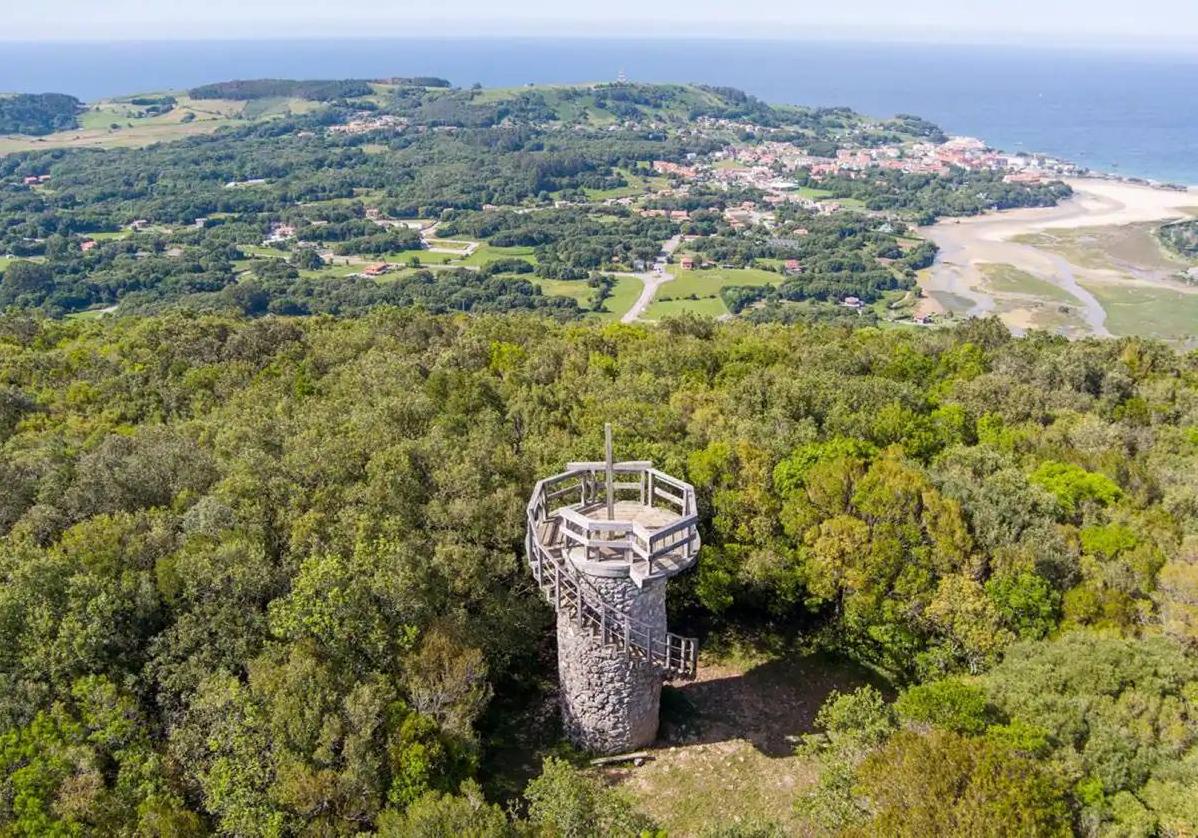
(610, 704)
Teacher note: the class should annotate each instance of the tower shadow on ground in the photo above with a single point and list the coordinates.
(770, 705)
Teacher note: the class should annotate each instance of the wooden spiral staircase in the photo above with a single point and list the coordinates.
(561, 534)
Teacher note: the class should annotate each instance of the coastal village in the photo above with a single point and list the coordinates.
(751, 219)
(768, 168)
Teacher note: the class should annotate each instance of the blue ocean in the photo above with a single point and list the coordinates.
(1131, 113)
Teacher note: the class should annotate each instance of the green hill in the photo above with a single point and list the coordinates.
(38, 114)
(318, 91)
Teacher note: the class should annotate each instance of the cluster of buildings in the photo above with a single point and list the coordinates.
(763, 164)
(748, 214)
(279, 233)
(376, 270)
(674, 215)
(366, 122)
(770, 166)
(665, 167)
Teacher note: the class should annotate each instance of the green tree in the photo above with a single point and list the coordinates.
(437, 814)
(28, 281)
(950, 703)
(945, 784)
(306, 259)
(565, 802)
(1073, 486)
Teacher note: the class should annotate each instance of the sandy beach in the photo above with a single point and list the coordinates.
(1096, 203)
(1063, 268)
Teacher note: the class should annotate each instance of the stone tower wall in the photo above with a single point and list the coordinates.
(610, 704)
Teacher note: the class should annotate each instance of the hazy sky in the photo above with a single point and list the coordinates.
(1113, 22)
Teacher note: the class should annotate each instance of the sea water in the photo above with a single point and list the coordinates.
(1121, 111)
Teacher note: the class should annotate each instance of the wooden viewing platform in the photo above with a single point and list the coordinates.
(614, 520)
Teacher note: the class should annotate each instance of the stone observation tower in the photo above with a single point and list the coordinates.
(602, 540)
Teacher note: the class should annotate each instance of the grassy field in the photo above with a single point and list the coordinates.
(1113, 247)
(89, 314)
(1060, 320)
(699, 291)
(638, 184)
(338, 270)
(849, 203)
(1008, 279)
(452, 244)
(427, 257)
(486, 253)
(116, 124)
(578, 103)
(481, 256)
(568, 107)
(823, 195)
(575, 289)
(1151, 311)
(897, 303)
(627, 289)
(708, 282)
(262, 251)
(812, 194)
(951, 302)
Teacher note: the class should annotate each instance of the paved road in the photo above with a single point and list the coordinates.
(652, 281)
(430, 232)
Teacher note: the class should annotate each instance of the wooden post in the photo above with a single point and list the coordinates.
(611, 502)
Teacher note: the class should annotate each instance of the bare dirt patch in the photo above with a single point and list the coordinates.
(726, 747)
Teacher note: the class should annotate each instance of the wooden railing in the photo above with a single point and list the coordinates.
(555, 503)
(629, 541)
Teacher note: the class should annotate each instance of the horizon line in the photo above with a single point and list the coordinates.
(1051, 41)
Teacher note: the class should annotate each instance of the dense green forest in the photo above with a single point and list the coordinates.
(272, 401)
(317, 91)
(264, 576)
(38, 113)
(929, 197)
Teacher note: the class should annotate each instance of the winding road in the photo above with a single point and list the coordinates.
(652, 280)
